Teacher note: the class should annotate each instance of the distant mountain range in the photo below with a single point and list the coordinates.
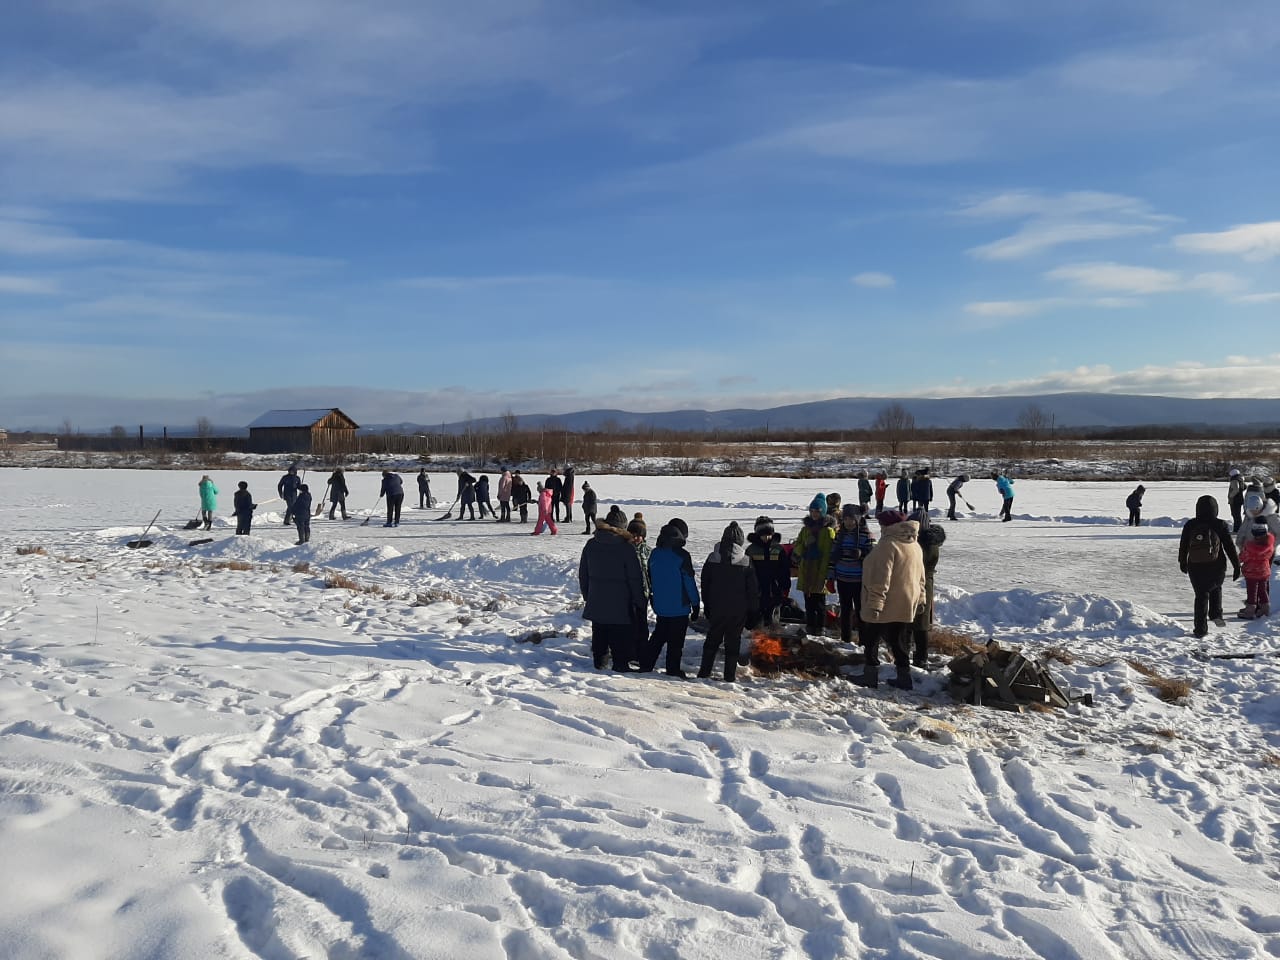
(850, 413)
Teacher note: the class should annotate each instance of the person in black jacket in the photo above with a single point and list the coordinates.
(953, 491)
(521, 495)
(338, 493)
(588, 506)
(567, 492)
(244, 507)
(1134, 503)
(1203, 551)
(556, 486)
(903, 491)
(930, 538)
(482, 497)
(730, 597)
(772, 566)
(424, 489)
(302, 513)
(612, 584)
(393, 490)
(287, 488)
(921, 489)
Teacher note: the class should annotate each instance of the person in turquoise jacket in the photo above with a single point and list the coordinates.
(1005, 486)
(208, 501)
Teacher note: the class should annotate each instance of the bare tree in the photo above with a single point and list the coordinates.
(204, 428)
(510, 422)
(894, 423)
(1034, 421)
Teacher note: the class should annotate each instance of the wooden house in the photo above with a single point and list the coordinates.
(323, 431)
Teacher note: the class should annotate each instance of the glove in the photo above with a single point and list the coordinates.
(693, 614)
(1235, 574)
(831, 586)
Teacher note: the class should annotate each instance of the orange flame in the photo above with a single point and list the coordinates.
(766, 651)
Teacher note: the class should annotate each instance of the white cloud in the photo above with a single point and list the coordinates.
(872, 278)
(27, 285)
(1039, 237)
(1052, 220)
(1118, 278)
(1008, 309)
(1271, 297)
(1223, 284)
(1252, 241)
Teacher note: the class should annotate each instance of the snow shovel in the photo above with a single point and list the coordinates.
(320, 509)
(375, 507)
(196, 543)
(967, 504)
(449, 512)
(142, 541)
(193, 525)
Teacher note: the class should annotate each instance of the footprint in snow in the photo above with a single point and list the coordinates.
(460, 718)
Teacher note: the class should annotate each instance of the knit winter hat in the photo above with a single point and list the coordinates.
(763, 526)
(850, 511)
(637, 526)
(616, 518)
(1259, 529)
(681, 526)
(888, 518)
(819, 503)
(585, 485)
(733, 534)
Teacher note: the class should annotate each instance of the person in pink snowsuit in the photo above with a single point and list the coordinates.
(1255, 560)
(545, 519)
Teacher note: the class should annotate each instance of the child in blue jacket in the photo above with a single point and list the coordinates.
(675, 600)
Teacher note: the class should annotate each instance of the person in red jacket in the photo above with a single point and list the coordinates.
(882, 489)
(545, 517)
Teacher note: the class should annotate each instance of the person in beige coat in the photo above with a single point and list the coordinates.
(893, 592)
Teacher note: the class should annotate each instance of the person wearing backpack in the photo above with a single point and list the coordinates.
(1203, 552)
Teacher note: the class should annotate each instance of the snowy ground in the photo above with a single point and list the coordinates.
(203, 761)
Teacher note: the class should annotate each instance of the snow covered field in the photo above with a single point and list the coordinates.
(204, 753)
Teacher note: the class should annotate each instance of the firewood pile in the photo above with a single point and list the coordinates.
(784, 650)
(1006, 680)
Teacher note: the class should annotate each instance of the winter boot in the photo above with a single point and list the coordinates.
(902, 680)
(708, 661)
(1247, 612)
(1264, 609)
(920, 655)
(869, 678)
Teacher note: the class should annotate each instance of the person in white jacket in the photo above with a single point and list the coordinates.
(893, 593)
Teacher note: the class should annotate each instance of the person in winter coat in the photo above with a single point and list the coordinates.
(338, 493)
(556, 486)
(1005, 487)
(482, 497)
(468, 497)
(903, 491)
(953, 491)
(882, 488)
(834, 501)
(1258, 507)
(810, 558)
(731, 598)
(287, 489)
(639, 531)
(588, 506)
(302, 513)
(772, 566)
(864, 491)
(1270, 491)
(852, 543)
(545, 517)
(208, 500)
(504, 497)
(1235, 499)
(612, 584)
(893, 587)
(393, 490)
(1134, 503)
(1255, 559)
(243, 507)
(520, 496)
(567, 492)
(424, 489)
(922, 489)
(675, 599)
(930, 536)
(1203, 552)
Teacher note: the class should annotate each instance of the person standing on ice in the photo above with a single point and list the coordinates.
(287, 488)
(556, 486)
(731, 598)
(1203, 552)
(882, 488)
(338, 493)
(930, 537)
(612, 584)
(853, 542)
(520, 496)
(468, 497)
(1235, 499)
(1258, 507)
(1134, 503)
(302, 513)
(639, 530)
(675, 600)
(953, 491)
(922, 489)
(1255, 559)
(589, 502)
(1005, 487)
(208, 500)
(772, 566)
(833, 507)
(864, 491)
(546, 520)
(393, 490)
(424, 489)
(810, 558)
(243, 506)
(903, 491)
(567, 493)
(893, 589)
(482, 497)
(504, 497)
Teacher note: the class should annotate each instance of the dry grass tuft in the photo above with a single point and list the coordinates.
(340, 581)
(427, 597)
(1270, 759)
(1059, 653)
(1168, 689)
(952, 643)
(28, 551)
(231, 565)
(1167, 732)
(303, 567)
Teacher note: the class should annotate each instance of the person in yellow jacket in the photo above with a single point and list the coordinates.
(893, 593)
(811, 561)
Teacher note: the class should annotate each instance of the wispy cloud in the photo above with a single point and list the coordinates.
(462, 284)
(1270, 297)
(1252, 241)
(1118, 278)
(1052, 220)
(35, 286)
(873, 279)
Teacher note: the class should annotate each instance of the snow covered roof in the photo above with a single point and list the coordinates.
(296, 418)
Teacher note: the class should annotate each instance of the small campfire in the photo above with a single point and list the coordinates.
(778, 653)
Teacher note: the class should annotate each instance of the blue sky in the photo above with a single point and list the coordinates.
(424, 211)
